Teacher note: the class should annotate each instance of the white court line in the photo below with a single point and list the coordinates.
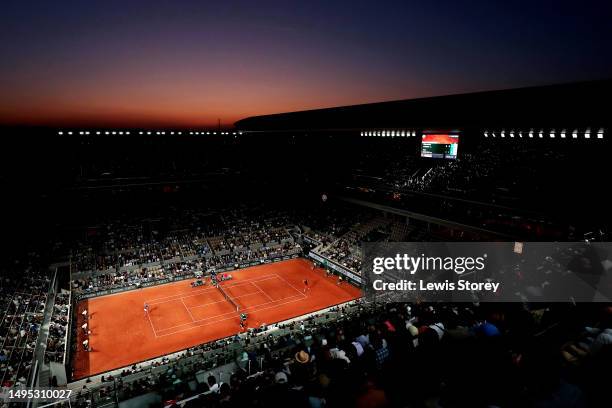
(223, 314)
(232, 313)
(257, 286)
(223, 300)
(194, 292)
(258, 279)
(187, 309)
(237, 283)
(285, 280)
(152, 326)
(231, 317)
(200, 291)
(194, 320)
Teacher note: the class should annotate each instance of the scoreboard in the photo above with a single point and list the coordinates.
(439, 146)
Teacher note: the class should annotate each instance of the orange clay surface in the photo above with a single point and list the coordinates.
(181, 316)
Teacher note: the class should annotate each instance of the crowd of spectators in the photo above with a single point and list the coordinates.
(137, 277)
(346, 250)
(480, 173)
(176, 368)
(508, 188)
(23, 295)
(367, 355)
(230, 240)
(334, 222)
(457, 177)
(411, 355)
(117, 246)
(227, 242)
(133, 255)
(346, 253)
(58, 328)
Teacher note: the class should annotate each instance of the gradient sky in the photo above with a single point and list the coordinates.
(187, 63)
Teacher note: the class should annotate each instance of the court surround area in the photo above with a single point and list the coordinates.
(181, 316)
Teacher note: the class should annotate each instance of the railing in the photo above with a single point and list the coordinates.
(68, 330)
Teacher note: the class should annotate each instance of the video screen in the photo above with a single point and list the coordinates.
(439, 146)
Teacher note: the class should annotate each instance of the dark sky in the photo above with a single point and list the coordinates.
(187, 63)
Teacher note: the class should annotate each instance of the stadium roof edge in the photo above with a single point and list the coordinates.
(568, 104)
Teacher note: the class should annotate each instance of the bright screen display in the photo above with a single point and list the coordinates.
(442, 146)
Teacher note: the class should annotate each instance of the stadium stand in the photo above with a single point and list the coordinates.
(23, 299)
(58, 329)
(239, 243)
(158, 210)
(360, 352)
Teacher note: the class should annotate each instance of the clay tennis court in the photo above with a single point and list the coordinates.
(181, 316)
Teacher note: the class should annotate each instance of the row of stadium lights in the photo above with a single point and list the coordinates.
(142, 132)
(389, 133)
(563, 134)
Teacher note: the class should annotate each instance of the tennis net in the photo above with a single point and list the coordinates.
(229, 299)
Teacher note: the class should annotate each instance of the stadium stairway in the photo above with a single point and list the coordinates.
(44, 375)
